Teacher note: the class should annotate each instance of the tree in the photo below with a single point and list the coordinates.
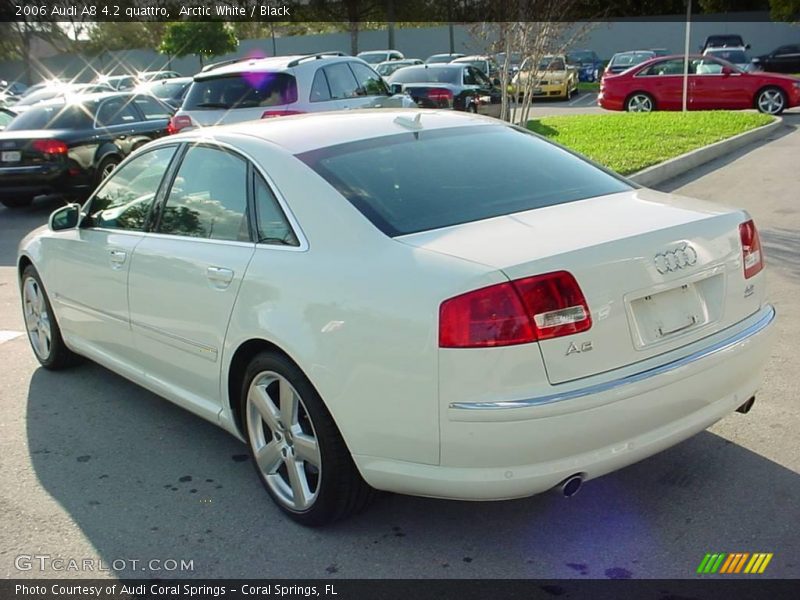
(201, 38)
(106, 36)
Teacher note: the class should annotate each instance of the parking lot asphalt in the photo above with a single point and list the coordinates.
(93, 467)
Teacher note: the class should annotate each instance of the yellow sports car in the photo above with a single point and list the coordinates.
(552, 78)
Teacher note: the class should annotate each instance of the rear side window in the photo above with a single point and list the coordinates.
(413, 182)
(242, 90)
(59, 116)
(117, 111)
(273, 227)
(319, 88)
(152, 109)
(208, 198)
(342, 82)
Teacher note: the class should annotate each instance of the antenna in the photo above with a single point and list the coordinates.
(413, 124)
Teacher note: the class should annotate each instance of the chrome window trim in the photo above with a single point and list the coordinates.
(763, 322)
(293, 223)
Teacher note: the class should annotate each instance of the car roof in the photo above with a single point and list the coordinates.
(86, 98)
(473, 57)
(270, 63)
(311, 131)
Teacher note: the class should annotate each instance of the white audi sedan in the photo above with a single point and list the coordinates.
(428, 303)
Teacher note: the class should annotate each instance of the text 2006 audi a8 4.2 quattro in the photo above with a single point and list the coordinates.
(347, 295)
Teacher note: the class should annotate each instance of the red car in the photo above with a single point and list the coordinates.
(657, 84)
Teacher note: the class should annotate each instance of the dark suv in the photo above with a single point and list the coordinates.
(731, 40)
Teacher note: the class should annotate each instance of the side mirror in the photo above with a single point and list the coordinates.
(496, 81)
(396, 88)
(747, 46)
(66, 217)
(726, 70)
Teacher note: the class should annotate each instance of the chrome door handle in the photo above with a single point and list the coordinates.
(117, 258)
(219, 277)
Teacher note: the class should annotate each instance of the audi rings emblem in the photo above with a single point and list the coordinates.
(672, 260)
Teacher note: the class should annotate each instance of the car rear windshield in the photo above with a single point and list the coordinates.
(412, 182)
(427, 75)
(58, 116)
(242, 90)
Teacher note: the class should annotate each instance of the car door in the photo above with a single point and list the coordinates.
(663, 80)
(184, 276)
(117, 121)
(342, 91)
(91, 278)
(711, 88)
(489, 96)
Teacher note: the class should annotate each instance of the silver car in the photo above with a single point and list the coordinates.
(283, 85)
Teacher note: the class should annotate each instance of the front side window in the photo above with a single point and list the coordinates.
(208, 198)
(152, 109)
(126, 197)
(666, 67)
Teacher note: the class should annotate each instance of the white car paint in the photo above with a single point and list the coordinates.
(358, 312)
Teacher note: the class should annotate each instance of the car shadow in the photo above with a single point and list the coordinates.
(146, 480)
(16, 223)
(782, 250)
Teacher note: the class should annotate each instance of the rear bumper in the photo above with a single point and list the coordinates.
(16, 182)
(610, 102)
(525, 447)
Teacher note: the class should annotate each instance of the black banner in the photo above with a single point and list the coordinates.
(733, 588)
(439, 11)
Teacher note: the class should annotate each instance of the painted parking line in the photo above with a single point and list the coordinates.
(584, 99)
(8, 335)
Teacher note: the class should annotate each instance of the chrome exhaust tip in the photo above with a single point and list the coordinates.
(745, 408)
(571, 485)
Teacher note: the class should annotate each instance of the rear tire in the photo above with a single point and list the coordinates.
(105, 168)
(17, 202)
(44, 334)
(640, 102)
(296, 448)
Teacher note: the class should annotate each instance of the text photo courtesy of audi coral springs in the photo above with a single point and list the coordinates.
(577, 355)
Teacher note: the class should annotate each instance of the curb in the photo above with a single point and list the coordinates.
(686, 162)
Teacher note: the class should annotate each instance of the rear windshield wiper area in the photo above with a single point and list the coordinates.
(211, 105)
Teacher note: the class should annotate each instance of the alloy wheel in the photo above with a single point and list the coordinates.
(107, 170)
(284, 443)
(770, 101)
(640, 103)
(37, 318)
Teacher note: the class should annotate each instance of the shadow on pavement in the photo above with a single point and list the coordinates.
(15, 223)
(144, 479)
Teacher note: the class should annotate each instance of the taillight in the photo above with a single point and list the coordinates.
(440, 95)
(751, 249)
(269, 114)
(49, 146)
(179, 122)
(516, 312)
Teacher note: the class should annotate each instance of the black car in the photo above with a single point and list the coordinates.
(728, 40)
(785, 59)
(67, 148)
(454, 85)
(171, 91)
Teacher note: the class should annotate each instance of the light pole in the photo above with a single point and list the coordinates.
(686, 53)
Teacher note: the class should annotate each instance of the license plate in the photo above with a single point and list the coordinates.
(11, 156)
(537, 90)
(670, 313)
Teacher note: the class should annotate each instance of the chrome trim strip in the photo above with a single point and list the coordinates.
(197, 348)
(89, 310)
(715, 348)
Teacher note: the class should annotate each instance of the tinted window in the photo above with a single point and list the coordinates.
(117, 111)
(368, 80)
(427, 75)
(342, 82)
(416, 181)
(168, 89)
(273, 228)
(246, 90)
(208, 198)
(152, 109)
(319, 88)
(469, 77)
(667, 67)
(53, 116)
(124, 200)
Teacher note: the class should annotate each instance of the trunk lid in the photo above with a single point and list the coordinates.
(658, 271)
(17, 148)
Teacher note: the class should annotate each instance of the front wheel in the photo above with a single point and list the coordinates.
(296, 448)
(771, 101)
(41, 326)
(640, 102)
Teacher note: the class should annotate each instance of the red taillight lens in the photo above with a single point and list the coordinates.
(751, 249)
(518, 312)
(269, 114)
(49, 146)
(440, 95)
(179, 122)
